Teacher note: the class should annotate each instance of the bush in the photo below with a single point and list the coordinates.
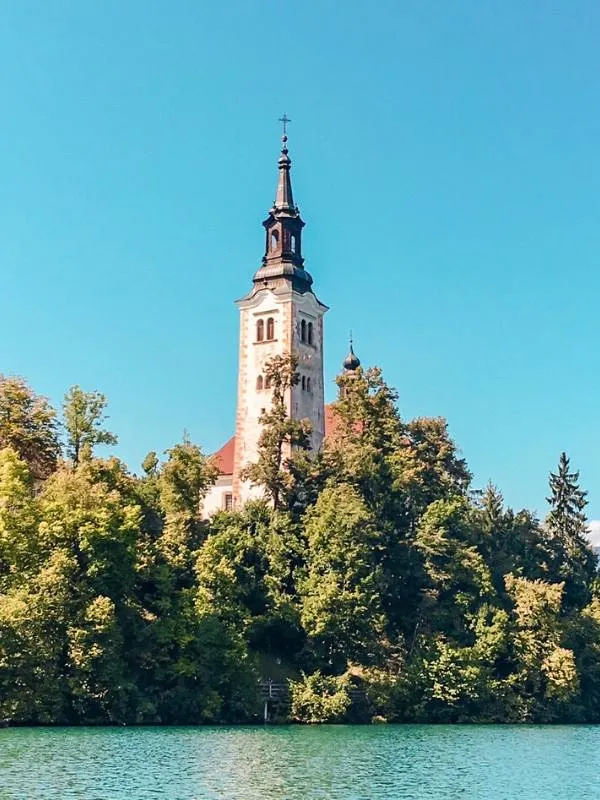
(319, 698)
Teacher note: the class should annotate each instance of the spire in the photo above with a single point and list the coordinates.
(284, 199)
(283, 262)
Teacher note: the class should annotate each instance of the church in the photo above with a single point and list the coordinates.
(280, 315)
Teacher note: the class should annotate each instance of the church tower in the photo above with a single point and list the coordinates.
(279, 316)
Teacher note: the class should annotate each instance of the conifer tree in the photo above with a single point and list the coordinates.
(574, 560)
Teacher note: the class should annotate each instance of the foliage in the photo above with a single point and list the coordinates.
(280, 435)
(370, 576)
(341, 606)
(84, 417)
(28, 425)
(320, 698)
(574, 560)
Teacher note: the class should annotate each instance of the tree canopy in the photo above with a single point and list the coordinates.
(374, 580)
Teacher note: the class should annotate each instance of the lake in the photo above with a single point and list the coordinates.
(300, 763)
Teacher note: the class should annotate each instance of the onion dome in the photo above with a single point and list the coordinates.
(352, 361)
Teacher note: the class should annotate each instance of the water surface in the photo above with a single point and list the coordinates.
(420, 762)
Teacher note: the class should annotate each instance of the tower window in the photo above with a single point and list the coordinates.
(274, 240)
(270, 328)
(228, 502)
(293, 242)
(309, 333)
(303, 331)
(259, 382)
(260, 330)
(303, 383)
(267, 382)
(308, 384)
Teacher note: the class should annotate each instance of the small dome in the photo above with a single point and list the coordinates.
(352, 361)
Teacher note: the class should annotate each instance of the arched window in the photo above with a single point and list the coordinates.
(303, 331)
(267, 382)
(259, 382)
(293, 242)
(308, 384)
(274, 240)
(260, 330)
(270, 328)
(309, 334)
(303, 383)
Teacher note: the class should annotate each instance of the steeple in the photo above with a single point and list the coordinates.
(283, 242)
(284, 199)
(280, 316)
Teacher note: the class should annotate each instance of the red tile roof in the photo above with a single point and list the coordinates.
(225, 456)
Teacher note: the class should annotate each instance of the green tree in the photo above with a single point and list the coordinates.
(545, 682)
(20, 553)
(574, 560)
(150, 464)
(341, 603)
(367, 432)
(280, 434)
(84, 420)
(509, 542)
(320, 698)
(246, 572)
(456, 579)
(28, 424)
(183, 482)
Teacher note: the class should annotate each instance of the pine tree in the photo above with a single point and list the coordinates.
(566, 524)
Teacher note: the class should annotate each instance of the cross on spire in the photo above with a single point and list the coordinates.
(284, 121)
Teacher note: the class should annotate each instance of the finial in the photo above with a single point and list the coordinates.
(284, 120)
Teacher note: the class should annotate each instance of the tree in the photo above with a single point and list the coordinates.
(368, 431)
(183, 481)
(320, 698)
(245, 575)
(84, 419)
(341, 602)
(545, 683)
(427, 466)
(280, 434)
(150, 464)
(456, 580)
(28, 424)
(574, 559)
(20, 553)
(509, 542)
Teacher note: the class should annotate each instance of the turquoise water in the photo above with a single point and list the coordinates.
(301, 763)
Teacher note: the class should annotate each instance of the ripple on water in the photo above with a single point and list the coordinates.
(420, 762)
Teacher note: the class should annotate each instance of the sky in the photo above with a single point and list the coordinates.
(445, 160)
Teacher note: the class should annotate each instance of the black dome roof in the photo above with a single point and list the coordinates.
(352, 361)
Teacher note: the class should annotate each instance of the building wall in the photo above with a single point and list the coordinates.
(287, 309)
(216, 497)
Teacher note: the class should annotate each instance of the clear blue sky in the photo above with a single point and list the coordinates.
(446, 161)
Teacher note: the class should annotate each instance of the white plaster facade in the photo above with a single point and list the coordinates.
(287, 309)
(217, 497)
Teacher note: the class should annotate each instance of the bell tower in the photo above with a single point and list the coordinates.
(280, 315)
